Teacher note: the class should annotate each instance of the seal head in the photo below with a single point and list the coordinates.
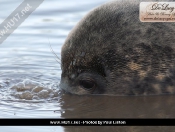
(111, 52)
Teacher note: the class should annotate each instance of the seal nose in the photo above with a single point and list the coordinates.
(61, 84)
(64, 84)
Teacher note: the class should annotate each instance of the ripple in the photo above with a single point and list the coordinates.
(26, 89)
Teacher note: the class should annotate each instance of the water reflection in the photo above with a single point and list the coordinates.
(118, 107)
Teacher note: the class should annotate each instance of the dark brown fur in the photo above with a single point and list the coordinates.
(122, 55)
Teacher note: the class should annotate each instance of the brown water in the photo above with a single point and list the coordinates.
(118, 107)
(29, 75)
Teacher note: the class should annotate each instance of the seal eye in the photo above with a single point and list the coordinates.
(87, 84)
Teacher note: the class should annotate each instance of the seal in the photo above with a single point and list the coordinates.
(110, 51)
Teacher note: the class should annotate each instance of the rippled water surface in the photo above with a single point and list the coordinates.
(29, 74)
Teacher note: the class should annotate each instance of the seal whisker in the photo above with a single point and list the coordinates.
(54, 54)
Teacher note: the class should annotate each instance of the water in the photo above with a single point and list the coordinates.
(29, 75)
